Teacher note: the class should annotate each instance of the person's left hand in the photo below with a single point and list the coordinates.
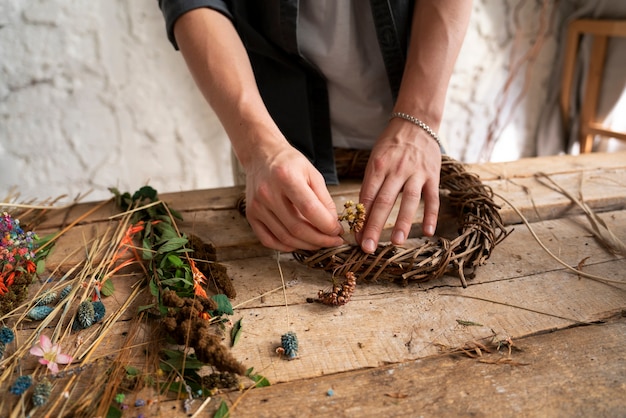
(404, 160)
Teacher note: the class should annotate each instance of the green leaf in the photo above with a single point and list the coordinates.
(146, 192)
(107, 288)
(154, 289)
(175, 360)
(147, 252)
(175, 281)
(223, 305)
(41, 267)
(259, 380)
(222, 411)
(235, 333)
(113, 412)
(175, 260)
(165, 231)
(172, 245)
(175, 214)
(145, 307)
(132, 371)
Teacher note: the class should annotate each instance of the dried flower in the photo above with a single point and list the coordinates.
(50, 354)
(65, 292)
(86, 314)
(17, 252)
(99, 310)
(38, 313)
(354, 214)
(340, 294)
(289, 345)
(46, 299)
(6, 335)
(42, 392)
(21, 385)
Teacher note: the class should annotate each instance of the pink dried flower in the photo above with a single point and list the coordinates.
(50, 354)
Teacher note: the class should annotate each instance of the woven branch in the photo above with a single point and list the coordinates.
(481, 229)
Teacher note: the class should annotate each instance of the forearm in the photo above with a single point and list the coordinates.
(220, 67)
(437, 34)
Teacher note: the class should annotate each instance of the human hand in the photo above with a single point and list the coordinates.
(288, 204)
(405, 159)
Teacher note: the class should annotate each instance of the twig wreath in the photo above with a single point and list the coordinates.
(480, 230)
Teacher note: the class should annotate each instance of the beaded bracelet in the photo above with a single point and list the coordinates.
(417, 122)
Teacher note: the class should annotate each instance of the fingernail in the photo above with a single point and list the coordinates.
(429, 230)
(369, 246)
(398, 238)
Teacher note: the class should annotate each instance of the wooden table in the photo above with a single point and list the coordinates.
(429, 349)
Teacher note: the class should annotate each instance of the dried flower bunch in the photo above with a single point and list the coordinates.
(480, 230)
(340, 294)
(354, 215)
(17, 257)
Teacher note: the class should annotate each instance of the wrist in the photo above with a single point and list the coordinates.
(407, 118)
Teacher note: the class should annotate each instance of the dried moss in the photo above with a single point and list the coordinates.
(186, 325)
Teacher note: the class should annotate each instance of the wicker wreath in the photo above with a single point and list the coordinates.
(480, 230)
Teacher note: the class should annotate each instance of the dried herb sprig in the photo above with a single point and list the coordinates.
(354, 215)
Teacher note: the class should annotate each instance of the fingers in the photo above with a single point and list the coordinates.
(380, 200)
(430, 192)
(408, 207)
(317, 207)
(295, 219)
(378, 204)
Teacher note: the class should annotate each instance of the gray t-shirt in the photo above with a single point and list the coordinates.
(339, 38)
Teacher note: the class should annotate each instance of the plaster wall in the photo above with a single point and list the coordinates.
(92, 95)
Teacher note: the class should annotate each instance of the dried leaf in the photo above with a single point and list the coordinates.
(397, 395)
(468, 323)
(235, 333)
(581, 263)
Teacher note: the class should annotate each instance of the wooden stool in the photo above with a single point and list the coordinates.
(601, 30)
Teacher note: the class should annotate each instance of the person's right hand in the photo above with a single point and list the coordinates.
(288, 204)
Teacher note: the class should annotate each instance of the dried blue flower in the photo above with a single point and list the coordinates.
(65, 292)
(99, 311)
(21, 385)
(46, 299)
(139, 403)
(6, 335)
(39, 312)
(41, 392)
(289, 343)
(86, 314)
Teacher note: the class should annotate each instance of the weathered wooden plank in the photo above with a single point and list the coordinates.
(603, 190)
(559, 164)
(491, 173)
(517, 256)
(576, 372)
(401, 326)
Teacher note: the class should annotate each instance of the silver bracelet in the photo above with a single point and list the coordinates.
(419, 123)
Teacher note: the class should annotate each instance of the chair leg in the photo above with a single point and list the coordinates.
(567, 77)
(592, 92)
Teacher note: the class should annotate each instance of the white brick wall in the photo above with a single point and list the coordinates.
(92, 95)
